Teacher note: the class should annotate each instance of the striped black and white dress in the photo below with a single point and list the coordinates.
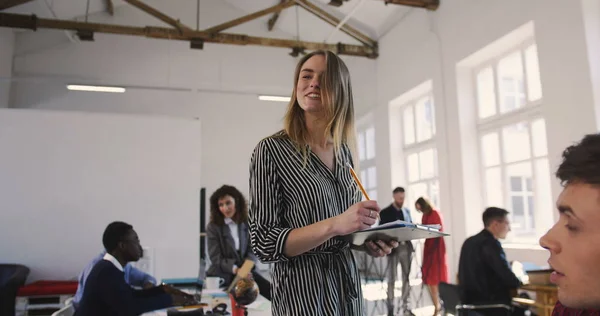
(286, 194)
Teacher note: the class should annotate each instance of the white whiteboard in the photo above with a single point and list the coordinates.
(65, 175)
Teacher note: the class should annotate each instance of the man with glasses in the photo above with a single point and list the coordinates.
(107, 293)
(485, 277)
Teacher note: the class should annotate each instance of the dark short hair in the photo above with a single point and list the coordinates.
(398, 189)
(114, 233)
(493, 214)
(581, 162)
(241, 206)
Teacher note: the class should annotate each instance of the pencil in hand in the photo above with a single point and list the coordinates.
(360, 186)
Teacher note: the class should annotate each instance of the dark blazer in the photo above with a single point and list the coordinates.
(483, 272)
(390, 214)
(222, 252)
(106, 293)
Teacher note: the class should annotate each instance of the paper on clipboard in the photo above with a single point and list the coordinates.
(398, 231)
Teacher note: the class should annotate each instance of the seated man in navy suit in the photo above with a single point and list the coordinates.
(107, 293)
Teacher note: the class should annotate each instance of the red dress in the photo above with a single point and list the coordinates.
(434, 268)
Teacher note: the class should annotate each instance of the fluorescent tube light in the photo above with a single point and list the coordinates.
(273, 98)
(95, 88)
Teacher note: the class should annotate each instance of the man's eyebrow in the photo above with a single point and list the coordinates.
(564, 209)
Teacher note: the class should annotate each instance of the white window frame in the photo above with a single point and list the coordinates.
(429, 181)
(528, 113)
(415, 148)
(493, 63)
(366, 162)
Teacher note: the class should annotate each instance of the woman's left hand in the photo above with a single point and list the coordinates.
(380, 248)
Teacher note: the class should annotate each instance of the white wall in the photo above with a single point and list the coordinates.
(232, 124)
(219, 84)
(7, 43)
(429, 45)
(65, 175)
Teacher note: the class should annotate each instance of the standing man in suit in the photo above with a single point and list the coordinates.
(404, 252)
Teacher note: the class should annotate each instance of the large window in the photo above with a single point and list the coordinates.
(418, 122)
(509, 83)
(366, 157)
(512, 133)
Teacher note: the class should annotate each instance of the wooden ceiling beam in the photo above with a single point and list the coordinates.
(325, 16)
(7, 4)
(273, 19)
(33, 23)
(110, 8)
(427, 4)
(159, 15)
(250, 17)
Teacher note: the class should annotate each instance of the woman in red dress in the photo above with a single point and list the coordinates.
(434, 268)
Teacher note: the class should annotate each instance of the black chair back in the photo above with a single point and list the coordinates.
(12, 277)
(450, 296)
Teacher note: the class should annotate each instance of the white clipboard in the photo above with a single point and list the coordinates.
(398, 231)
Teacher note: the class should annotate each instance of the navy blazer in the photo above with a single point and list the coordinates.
(106, 293)
(222, 252)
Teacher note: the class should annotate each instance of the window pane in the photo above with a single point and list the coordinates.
(516, 184)
(493, 187)
(409, 125)
(522, 172)
(511, 87)
(434, 192)
(370, 140)
(372, 176)
(515, 142)
(529, 184)
(534, 85)
(413, 167)
(363, 178)
(427, 164)
(372, 194)
(518, 210)
(522, 217)
(486, 95)
(538, 133)
(543, 196)
(490, 146)
(361, 146)
(424, 119)
(417, 190)
(530, 212)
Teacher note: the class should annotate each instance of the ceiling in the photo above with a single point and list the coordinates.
(372, 17)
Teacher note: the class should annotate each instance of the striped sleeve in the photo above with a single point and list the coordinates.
(267, 236)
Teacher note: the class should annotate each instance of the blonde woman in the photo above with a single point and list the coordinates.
(302, 196)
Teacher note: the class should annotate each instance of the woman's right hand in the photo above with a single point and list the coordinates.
(357, 217)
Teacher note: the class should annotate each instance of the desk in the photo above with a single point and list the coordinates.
(260, 307)
(546, 297)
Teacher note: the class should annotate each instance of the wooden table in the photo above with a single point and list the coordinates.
(546, 297)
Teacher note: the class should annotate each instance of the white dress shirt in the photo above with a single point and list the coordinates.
(233, 227)
(113, 260)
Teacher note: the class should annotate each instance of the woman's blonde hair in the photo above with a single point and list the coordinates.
(336, 95)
